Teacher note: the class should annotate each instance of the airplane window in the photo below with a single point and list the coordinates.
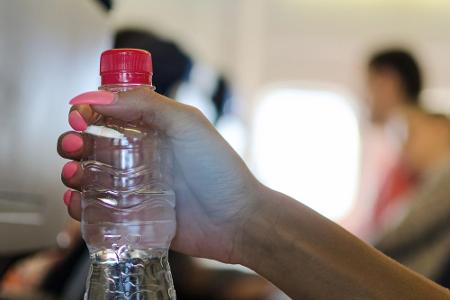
(306, 143)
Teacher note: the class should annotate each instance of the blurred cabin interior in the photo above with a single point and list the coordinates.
(296, 71)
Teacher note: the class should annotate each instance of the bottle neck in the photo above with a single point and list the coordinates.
(123, 87)
(125, 77)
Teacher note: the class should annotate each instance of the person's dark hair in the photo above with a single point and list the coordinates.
(170, 63)
(405, 65)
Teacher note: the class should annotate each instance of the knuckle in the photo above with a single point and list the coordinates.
(195, 112)
(141, 93)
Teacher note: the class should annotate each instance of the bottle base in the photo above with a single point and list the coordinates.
(129, 274)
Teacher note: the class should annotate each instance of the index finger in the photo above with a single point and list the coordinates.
(81, 116)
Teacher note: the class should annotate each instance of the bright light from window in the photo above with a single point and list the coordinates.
(233, 131)
(190, 94)
(306, 145)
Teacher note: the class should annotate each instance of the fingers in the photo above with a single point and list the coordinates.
(80, 116)
(73, 145)
(73, 201)
(72, 175)
(141, 104)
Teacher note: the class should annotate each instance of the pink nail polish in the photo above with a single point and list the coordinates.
(77, 122)
(69, 169)
(67, 197)
(71, 142)
(97, 97)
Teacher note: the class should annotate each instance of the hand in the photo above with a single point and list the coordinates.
(215, 191)
(224, 213)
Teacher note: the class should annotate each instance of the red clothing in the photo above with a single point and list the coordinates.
(399, 181)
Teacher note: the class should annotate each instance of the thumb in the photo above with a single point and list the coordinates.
(141, 104)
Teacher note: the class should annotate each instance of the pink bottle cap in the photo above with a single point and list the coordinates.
(126, 66)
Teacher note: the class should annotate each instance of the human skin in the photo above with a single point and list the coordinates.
(225, 213)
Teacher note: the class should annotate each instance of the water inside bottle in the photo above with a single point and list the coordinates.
(126, 274)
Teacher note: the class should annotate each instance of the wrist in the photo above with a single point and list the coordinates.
(252, 240)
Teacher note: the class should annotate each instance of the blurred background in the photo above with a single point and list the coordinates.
(314, 95)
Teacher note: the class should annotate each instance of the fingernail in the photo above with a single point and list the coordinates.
(77, 121)
(71, 143)
(67, 197)
(69, 169)
(97, 97)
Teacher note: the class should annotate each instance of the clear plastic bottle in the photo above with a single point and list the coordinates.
(128, 206)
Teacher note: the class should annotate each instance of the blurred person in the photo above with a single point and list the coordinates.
(410, 219)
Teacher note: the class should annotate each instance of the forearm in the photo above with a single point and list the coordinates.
(310, 257)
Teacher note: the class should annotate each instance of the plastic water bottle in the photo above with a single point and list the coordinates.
(128, 206)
